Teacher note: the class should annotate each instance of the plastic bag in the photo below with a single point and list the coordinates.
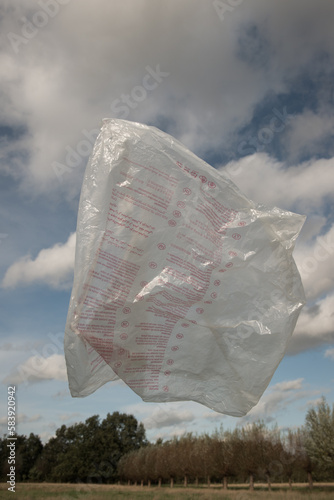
(183, 288)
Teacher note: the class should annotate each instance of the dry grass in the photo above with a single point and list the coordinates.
(45, 491)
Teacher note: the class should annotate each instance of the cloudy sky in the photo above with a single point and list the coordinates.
(246, 85)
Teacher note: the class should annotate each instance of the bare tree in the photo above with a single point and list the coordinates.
(248, 443)
(303, 459)
(171, 459)
(223, 452)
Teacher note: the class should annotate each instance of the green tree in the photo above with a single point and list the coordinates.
(3, 458)
(119, 433)
(28, 452)
(61, 458)
(90, 451)
(319, 442)
(48, 465)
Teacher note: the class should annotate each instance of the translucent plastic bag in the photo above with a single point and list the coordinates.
(183, 287)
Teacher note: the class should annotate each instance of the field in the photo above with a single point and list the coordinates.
(45, 491)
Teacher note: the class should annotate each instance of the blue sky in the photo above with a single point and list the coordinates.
(247, 87)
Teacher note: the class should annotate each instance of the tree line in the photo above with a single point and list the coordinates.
(86, 452)
(116, 449)
(251, 453)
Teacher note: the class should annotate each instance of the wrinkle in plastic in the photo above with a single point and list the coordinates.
(183, 287)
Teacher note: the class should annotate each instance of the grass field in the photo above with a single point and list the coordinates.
(45, 491)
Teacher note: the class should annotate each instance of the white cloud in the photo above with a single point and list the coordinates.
(306, 133)
(53, 266)
(330, 353)
(18, 347)
(214, 416)
(166, 417)
(315, 326)
(287, 385)
(276, 399)
(174, 432)
(165, 420)
(24, 419)
(297, 31)
(303, 187)
(66, 78)
(315, 261)
(60, 395)
(37, 369)
(69, 416)
(217, 82)
(312, 227)
(46, 435)
(310, 403)
(21, 418)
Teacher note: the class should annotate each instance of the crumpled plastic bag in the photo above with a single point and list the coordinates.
(183, 287)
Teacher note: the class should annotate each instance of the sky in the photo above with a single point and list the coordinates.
(246, 85)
